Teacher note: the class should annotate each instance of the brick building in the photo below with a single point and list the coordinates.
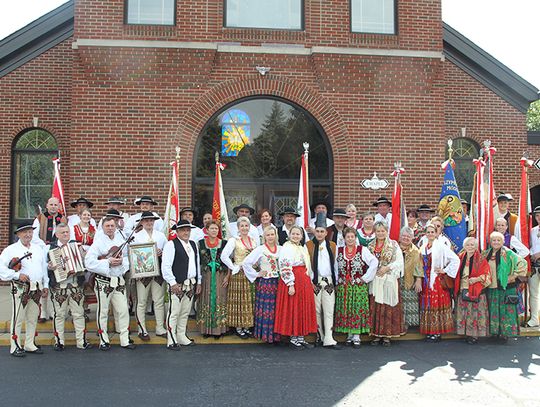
(114, 86)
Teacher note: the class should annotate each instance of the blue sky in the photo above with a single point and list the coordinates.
(506, 29)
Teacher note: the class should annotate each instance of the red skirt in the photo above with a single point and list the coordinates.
(295, 314)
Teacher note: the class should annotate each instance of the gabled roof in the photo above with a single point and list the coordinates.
(488, 70)
(36, 38)
(57, 25)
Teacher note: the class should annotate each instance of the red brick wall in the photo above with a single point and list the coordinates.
(327, 23)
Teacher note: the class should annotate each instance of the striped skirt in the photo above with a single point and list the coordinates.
(239, 302)
(265, 309)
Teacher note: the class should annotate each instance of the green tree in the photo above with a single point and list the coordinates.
(533, 116)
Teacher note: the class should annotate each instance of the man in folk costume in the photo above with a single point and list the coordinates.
(322, 253)
(501, 211)
(22, 264)
(116, 203)
(384, 210)
(534, 280)
(335, 232)
(80, 205)
(289, 216)
(107, 258)
(425, 213)
(147, 204)
(147, 285)
(45, 223)
(66, 295)
(189, 214)
(181, 270)
(247, 211)
(320, 206)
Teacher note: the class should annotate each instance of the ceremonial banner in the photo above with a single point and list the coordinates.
(524, 219)
(480, 205)
(450, 209)
(172, 210)
(303, 191)
(489, 187)
(397, 204)
(57, 189)
(219, 208)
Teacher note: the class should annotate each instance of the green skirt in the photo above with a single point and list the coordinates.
(503, 318)
(352, 309)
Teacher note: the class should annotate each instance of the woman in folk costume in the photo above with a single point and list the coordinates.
(262, 268)
(438, 223)
(356, 268)
(505, 266)
(510, 241)
(385, 299)
(366, 234)
(212, 308)
(295, 302)
(84, 232)
(436, 302)
(472, 315)
(411, 283)
(240, 291)
(352, 221)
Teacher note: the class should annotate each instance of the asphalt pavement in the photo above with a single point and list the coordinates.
(413, 373)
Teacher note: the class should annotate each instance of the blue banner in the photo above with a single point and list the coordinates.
(451, 211)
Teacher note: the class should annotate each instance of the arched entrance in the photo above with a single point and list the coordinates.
(260, 140)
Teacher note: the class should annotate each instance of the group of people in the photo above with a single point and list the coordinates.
(340, 274)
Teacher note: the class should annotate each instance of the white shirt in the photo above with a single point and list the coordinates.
(518, 247)
(134, 219)
(196, 234)
(253, 259)
(31, 266)
(323, 262)
(167, 261)
(388, 219)
(228, 251)
(535, 240)
(156, 237)
(100, 247)
(441, 256)
(253, 233)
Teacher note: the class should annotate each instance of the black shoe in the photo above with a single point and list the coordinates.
(42, 320)
(150, 313)
(58, 347)
(307, 345)
(86, 346)
(131, 342)
(131, 346)
(216, 337)
(241, 334)
(386, 342)
(143, 336)
(38, 351)
(105, 347)
(296, 346)
(356, 344)
(348, 342)
(18, 353)
(173, 347)
(333, 347)
(375, 342)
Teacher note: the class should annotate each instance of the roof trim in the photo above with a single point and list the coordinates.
(488, 70)
(36, 38)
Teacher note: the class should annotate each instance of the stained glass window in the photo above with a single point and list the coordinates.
(465, 150)
(32, 173)
(235, 132)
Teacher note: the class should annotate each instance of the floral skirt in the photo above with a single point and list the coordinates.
(411, 306)
(240, 301)
(436, 310)
(503, 318)
(386, 321)
(265, 309)
(352, 309)
(212, 321)
(472, 318)
(295, 314)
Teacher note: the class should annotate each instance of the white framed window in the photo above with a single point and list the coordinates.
(271, 14)
(150, 12)
(373, 16)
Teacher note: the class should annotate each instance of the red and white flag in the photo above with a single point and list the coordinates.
(481, 205)
(397, 204)
(57, 189)
(219, 207)
(303, 207)
(489, 152)
(172, 211)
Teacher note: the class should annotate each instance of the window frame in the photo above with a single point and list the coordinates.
(462, 159)
(396, 21)
(302, 21)
(126, 22)
(14, 151)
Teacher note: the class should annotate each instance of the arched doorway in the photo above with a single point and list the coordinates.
(260, 141)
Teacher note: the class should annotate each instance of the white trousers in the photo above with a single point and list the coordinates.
(534, 300)
(324, 307)
(107, 296)
(158, 296)
(28, 314)
(177, 317)
(67, 299)
(45, 308)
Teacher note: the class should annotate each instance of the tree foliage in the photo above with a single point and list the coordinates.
(533, 116)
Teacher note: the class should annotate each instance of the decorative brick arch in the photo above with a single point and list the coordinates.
(195, 119)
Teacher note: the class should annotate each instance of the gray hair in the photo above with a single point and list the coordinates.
(496, 234)
(243, 219)
(469, 239)
(406, 230)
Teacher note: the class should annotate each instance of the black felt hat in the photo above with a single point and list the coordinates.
(183, 224)
(24, 226)
(382, 200)
(287, 210)
(244, 206)
(80, 200)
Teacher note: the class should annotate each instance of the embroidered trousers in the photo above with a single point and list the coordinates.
(158, 296)
(108, 295)
(177, 317)
(70, 298)
(25, 309)
(324, 307)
